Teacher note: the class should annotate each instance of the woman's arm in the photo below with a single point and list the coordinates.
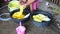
(29, 2)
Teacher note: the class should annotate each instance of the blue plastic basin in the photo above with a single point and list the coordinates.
(26, 11)
(44, 23)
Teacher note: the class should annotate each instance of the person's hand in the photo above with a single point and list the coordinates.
(24, 6)
(24, 0)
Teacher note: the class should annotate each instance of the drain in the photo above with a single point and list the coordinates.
(5, 17)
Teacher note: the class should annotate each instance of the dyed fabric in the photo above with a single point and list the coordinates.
(35, 4)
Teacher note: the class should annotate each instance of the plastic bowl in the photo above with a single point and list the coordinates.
(44, 23)
(26, 11)
(13, 4)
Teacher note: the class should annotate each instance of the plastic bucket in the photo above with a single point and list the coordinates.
(44, 23)
(26, 11)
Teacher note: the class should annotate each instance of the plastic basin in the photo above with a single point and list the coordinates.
(26, 11)
(44, 23)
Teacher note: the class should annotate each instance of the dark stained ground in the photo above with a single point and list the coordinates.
(10, 26)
